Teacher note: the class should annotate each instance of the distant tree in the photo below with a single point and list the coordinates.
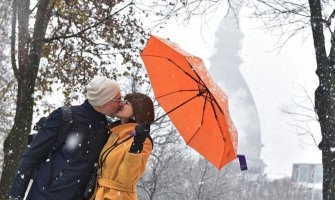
(282, 189)
(253, 184)
(6, 108)
(205, 182)
(317, 16)
(7, 83)
(173, 172)
(165, 165)
(162, 12)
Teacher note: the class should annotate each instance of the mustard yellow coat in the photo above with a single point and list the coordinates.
(121, 170)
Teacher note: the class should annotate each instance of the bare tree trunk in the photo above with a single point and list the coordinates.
(324, 100)
(14, 143)
(29, 54)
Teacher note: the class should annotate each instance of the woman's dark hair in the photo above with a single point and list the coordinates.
(143, 107)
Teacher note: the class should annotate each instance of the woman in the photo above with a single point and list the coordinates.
(123, 159)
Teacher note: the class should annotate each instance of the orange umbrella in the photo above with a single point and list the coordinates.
(195, 104)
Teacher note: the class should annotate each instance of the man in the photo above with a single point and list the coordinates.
(65, 175)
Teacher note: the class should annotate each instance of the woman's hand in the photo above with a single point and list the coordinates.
(141, 133)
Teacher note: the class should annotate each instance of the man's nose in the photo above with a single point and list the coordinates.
(121, 104)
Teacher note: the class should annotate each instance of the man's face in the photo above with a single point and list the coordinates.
(113, 106)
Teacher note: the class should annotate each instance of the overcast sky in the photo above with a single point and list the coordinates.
(277, 80)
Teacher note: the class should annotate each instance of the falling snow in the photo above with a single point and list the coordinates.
(73, 141)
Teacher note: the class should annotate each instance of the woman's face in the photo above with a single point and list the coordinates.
(126, 110)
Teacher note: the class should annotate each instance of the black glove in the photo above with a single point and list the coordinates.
(142, 132)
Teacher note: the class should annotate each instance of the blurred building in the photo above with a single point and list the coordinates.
(309, 176)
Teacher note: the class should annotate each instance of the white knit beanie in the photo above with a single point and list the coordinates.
(101, 90)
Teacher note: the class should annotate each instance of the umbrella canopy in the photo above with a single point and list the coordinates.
(193, 101)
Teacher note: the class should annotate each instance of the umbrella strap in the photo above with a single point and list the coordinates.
(243, 162)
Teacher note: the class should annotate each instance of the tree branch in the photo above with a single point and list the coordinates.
(13, 39)
(89, 27)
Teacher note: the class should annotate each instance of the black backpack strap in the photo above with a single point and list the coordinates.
(65, 127)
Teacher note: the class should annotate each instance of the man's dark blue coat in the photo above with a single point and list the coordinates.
(71, 164)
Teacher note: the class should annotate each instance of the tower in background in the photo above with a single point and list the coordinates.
(225, 70)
